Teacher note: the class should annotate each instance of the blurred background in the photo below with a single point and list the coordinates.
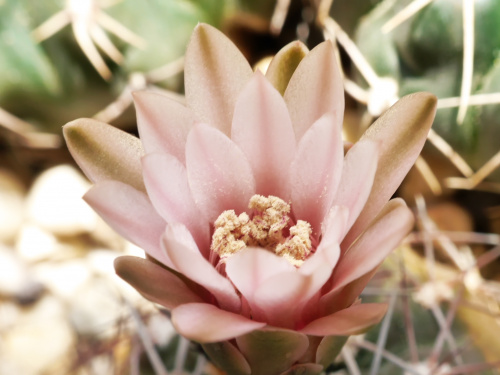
(63, 310)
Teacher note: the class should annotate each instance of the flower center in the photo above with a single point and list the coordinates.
(270, 227)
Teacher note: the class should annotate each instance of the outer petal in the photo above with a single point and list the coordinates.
(283, 65)
(104, 152)
(228, 358)
(130, 213)
(373, 246)
(263, 130)
(192, 265)
(315, 172)
(358, 172)
(154, 282)
(167, 184)
(351, 321)
(163, 123)
(344, 297)
(304, 369)
(219, 175)
(206, 323)
(329, 348)
(315, 88)
(270, 351)
(400, 134)
(215, 73)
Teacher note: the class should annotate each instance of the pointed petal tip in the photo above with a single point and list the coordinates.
(284, 64)
(210, 91)
(353, 320)
(122, 265)
(72, 127)
(206, 323)
(420, 106)
(151, 279)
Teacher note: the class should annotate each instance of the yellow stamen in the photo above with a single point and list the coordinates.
(266, 229)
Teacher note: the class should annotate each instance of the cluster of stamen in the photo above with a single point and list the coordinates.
(270, 227)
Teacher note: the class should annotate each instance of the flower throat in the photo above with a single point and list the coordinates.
(270, 227)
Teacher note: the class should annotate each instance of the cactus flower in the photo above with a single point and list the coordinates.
(260, 232)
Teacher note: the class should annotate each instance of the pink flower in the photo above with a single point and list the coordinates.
(263, 233)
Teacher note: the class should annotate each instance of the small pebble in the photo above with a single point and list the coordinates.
(55, 202)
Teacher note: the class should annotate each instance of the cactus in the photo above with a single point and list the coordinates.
(425, 53)
(47, 79)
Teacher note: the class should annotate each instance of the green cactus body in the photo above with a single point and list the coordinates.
(23, 64)
(52, 82)
(425, 53)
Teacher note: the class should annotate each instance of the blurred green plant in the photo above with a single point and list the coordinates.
(426, 53)
(46, 77)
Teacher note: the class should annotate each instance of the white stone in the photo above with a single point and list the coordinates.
(101, 365)
(161, 329)
(11, 205)
(55, 202)
(101, 261)
(382, 95)
(97, 310)
(9, 315)
(15, 280)
(34, 244)
(41, 339)
(134, 250)
(13, 273)
(63, 279)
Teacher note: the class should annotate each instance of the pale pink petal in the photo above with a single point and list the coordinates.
(215, 73)
(400, 134)
(284, 63)
(315, 171)
(163, 123)
(322, 261)
(168, 188)
(281, 298)
(104, 152)
(358, 172)
(375, 244)
(206, 323)
(270, 350)
(130, 213)
(315, 88)
(219, 175)
(263, 131)
(179, 233)
(251, 267)
(351, 321)
(195, 267)
(154, 282)
(334, 226)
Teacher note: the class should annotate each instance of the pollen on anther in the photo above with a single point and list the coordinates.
(270, 227)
